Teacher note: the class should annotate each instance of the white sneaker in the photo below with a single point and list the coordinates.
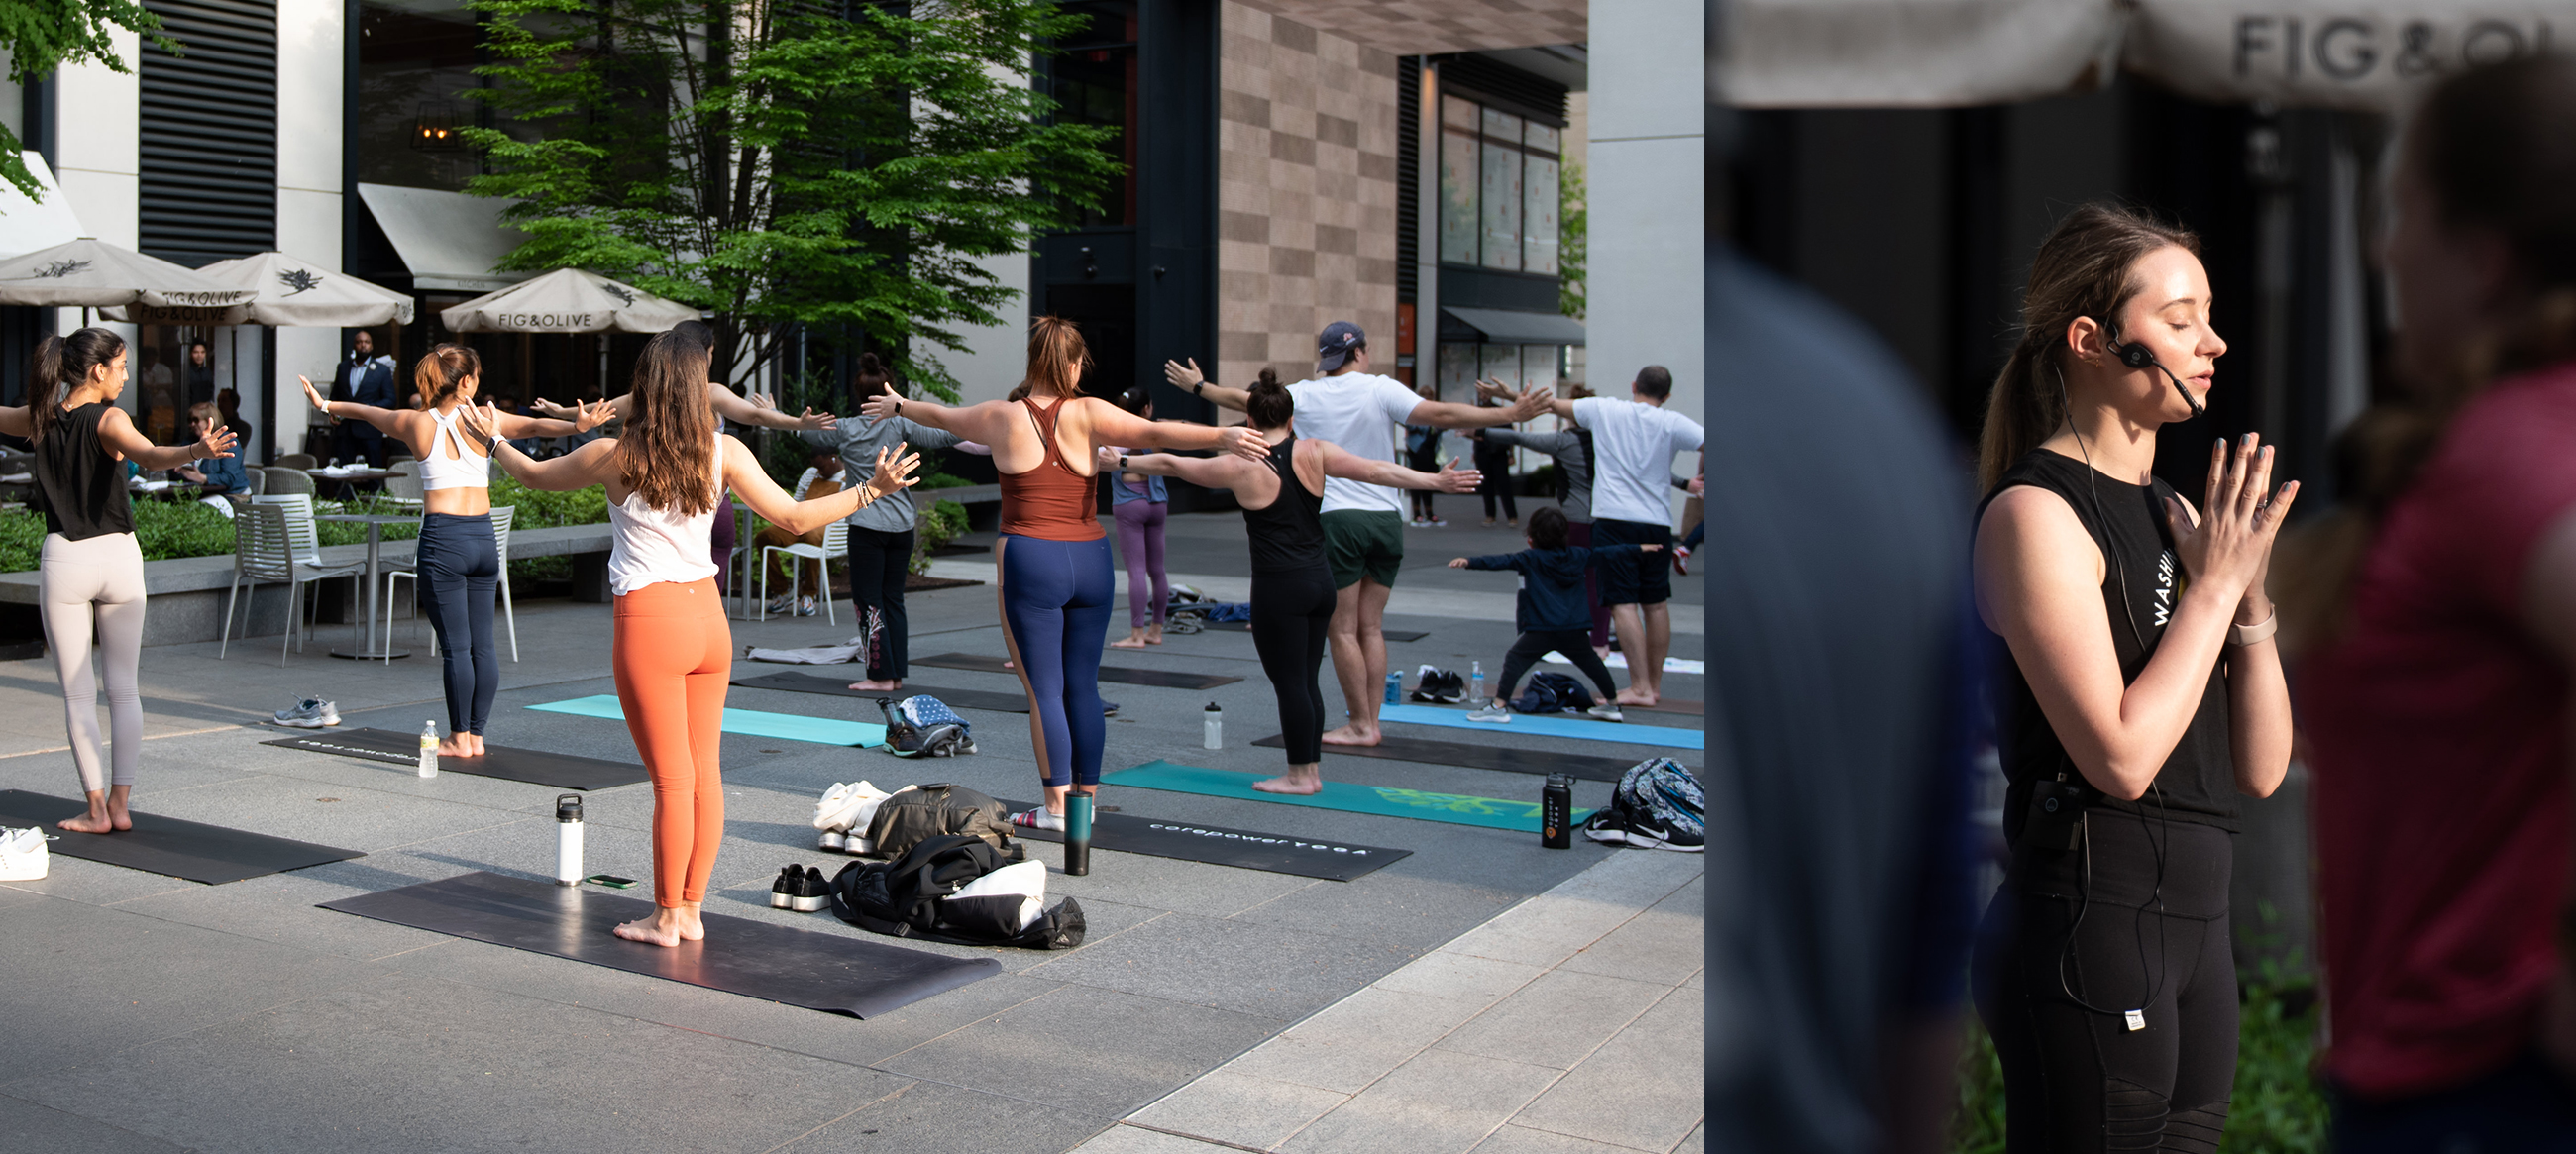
(1607, 711)
(1490, 712)
(23, 857)
(310, 713)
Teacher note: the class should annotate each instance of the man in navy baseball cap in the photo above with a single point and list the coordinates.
(1340, 341)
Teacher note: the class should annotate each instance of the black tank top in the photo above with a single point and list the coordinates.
(1288, 533)
(2198, 781)
(80, 486)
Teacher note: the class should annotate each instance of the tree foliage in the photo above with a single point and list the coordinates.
(1573, 223)
(786, 165)
(41, 36)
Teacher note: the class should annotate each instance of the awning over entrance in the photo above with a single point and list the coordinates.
(1514, 327)
(449, 241)
(2356, 54)
(27, 225)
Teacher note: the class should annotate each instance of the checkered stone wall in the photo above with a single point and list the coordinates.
(1305, 194)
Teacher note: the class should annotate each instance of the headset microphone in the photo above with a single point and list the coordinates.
(2138, 356)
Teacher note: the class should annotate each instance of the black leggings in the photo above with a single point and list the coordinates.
(1497, 468)
(878, 562)
(1575, 644)
(2080, 1080)
(460, 570)
(1291, 615)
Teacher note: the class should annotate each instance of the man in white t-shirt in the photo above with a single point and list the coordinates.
(1363, 524)
(1633, 445)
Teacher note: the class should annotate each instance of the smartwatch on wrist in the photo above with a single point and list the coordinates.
(1199, 389)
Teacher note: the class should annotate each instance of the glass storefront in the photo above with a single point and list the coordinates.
(1499, 178)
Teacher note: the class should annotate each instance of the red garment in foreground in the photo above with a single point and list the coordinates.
(2439, 748)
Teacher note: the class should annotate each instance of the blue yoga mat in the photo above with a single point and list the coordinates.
(1384, 801)
(1546, 725)
(748, 722)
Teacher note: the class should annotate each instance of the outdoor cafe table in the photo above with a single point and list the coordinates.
(372, 650)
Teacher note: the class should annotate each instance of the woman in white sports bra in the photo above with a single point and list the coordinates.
(665, 473)
(459, 563)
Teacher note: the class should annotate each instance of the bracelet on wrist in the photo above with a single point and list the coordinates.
(2257, 633)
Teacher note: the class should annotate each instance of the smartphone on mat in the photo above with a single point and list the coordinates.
(612, 881)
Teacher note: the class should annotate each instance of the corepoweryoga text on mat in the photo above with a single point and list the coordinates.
(1338, 861)
(831, 972)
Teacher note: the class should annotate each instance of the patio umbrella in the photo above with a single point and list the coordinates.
(567, 300)
(90, 273)
(286, 291)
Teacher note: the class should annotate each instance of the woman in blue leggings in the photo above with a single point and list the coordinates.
(1052, 563)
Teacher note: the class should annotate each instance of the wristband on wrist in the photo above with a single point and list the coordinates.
(1199, 389)
(2257, 633)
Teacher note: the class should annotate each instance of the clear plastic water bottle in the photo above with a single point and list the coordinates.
(1476, 682)
(429, 748)
(1214, 737)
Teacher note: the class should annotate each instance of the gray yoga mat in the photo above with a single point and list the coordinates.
(840, 687)
(1338, 861)
(536, 767)
(169, 846)
(1164, 678)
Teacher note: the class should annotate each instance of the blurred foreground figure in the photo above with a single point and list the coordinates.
(1841, 662)
(2440, 625)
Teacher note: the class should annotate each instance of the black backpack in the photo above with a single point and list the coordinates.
(1551, 692)
(901, 898)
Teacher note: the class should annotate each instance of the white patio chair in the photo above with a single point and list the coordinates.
(836, 543)
(274, 542)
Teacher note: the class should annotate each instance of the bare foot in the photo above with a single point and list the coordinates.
(1636, 697)
(873, 686)
(692, 924)
(1351, 734)
(1135, 640)
(117, 814)
(455, 746)
(1301, 784)
(95, 821)
(1154, 634)
(477, 740)
(660, 930)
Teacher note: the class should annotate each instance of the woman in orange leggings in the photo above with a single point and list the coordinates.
(665, 475)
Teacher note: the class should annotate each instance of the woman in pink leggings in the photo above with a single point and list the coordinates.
(1142, 508)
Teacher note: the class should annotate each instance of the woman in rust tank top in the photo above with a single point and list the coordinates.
(1052, 564)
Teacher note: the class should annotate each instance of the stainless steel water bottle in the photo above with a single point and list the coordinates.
(568, 839)
(1556, 812)
(1077, 835)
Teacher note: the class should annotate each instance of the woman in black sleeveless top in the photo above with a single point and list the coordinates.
(2144, 695)
(91, 567)
(1292, 588)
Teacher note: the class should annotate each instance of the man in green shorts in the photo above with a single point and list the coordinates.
(1363, 523)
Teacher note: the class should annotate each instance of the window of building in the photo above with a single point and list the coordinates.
(1093, 81)
(1499, 180)
(415, 63)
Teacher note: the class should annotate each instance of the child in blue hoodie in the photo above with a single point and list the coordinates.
(1554, 613)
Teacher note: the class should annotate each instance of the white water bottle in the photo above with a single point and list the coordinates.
(1476, 682)
(1215, 737)
(568, 839)
(429, 749)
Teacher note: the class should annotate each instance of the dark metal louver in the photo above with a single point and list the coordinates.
(1408, 172)
(209, 187)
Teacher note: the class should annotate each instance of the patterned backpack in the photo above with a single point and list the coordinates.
(1659, 805)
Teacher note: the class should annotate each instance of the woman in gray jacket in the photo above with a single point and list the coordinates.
(881, 535)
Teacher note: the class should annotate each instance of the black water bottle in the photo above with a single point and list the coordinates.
(1556, 812)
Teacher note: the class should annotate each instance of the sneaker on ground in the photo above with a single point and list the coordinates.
(1439, 522)
(804, 606)
(1607, 711)
(310, 713)
(1681, 560)
(782, 892)
(1651, 831)
(1490, 712)
(811, 892)
(1039, 819)
(782, 604)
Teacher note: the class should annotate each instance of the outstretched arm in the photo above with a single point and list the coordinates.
(585, 417)
(1204, 472)
(1222, 396)
(1343, 463)
(751, 482)
(116, 432)
(1451, 415)
(17, 421)
(732, 407)
(986, 422)
(1114, 425)
(581, 468)
(389, 420)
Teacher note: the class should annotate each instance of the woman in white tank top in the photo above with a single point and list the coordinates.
(458, 561)
(665, 473)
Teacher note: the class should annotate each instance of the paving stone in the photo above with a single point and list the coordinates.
(24, 1125)
(1666, 944)
(1439, 1101)
(1356, 1041)
(1523, 1140)
(1254, 969)
(930, 1118)
(1643, 1089)
(1067, 1049)
(1462, 978)
(1134, 1140)
(1557, 1020)
(1239, 1108)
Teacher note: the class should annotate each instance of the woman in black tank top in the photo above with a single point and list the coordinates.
(2144, 695)
(1282, 497)
(91, 569)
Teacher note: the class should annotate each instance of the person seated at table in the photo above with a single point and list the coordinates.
(822, 479)
(221, 476)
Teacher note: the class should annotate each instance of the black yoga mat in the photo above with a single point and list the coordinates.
(170, 846)
(1336, 861)
(840, 687)
(1165, 678)
(1390, 634)
(536, 767)
(1393, 748)
(834, 973)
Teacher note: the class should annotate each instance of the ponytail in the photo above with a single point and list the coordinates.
(62, 365)
(1057, 358)
(2082, 270)
(442, 372)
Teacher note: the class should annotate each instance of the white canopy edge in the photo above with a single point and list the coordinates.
(2371, 55)
(449, 241)
(28, 225)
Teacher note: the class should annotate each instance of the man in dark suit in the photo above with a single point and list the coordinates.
(368, 380)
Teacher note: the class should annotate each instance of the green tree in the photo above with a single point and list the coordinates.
(786, 165)
(43, 35)
(1571, 218)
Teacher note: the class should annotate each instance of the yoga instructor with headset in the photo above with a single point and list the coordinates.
(89, 561)
(1282, 497)
(673, 652)
(459, 559)
(2143, 696)
(1052, 562)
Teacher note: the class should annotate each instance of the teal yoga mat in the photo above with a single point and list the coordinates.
(1385, 801)
(748, 722)
(1545, 725)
